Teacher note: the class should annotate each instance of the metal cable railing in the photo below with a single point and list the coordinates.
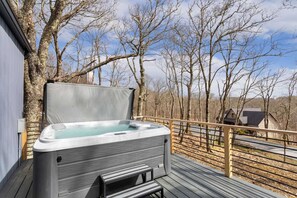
(270, 162)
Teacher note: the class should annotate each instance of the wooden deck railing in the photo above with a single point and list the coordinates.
(246, 152)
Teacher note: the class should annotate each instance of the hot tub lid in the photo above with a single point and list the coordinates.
(67, 102)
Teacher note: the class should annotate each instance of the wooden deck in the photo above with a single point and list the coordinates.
(188, 179)
(20, 183)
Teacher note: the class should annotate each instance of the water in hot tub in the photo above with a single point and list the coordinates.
(82, 131)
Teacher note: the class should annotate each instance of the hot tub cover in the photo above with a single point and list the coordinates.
(66, 102)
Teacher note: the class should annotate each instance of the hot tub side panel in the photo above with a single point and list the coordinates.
(79, 168)
(45, 175)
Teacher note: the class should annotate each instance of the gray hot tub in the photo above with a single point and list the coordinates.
(68, 158)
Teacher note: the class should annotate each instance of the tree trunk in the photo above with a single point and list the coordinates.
(172, 107)
(181, 113)
(59, 66)
(99, 76)
(189, 109)
(156, 110)
(141, 87)
(266, 113)
(33, 94)
(288, 113)
(58, 55)
(35, 67)
(207, 107)
(206, 120)
(199, 104)
(221, 119)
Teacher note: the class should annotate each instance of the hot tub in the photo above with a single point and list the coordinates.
(68, 158)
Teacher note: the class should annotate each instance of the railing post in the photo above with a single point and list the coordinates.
(24, 145)
(171, 136)
(228, 152)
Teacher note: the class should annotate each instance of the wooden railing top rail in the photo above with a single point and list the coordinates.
(223, 125)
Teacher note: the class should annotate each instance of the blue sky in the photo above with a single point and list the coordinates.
(284, 24)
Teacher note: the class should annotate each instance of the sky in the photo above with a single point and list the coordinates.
(284, 26)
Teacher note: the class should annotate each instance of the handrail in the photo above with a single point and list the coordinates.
(235, 153)
(223, 125)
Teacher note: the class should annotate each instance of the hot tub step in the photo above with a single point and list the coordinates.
(141, 190)
(126, 173)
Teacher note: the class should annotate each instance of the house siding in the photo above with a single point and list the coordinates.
(11, 99)
(272, 124)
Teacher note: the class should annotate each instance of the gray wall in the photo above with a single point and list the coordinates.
(11, 100)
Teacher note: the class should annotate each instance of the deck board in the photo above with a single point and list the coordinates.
(18, 181)
(25, 187)
(181, 187)
(202, 185)
(215, 181)
(30, 193)
(209, 180)
(187, 179)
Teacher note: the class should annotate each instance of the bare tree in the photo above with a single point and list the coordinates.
(291, 91)
(213, 25)
(266, 87)
(170, 85)
(158, 88)
(148, 23)
(240, 59)
(99, 48)
(60, 52)
(248, 91)
(289, 4)
(175, 69)
(57, 12)
(117, 75)
(188, 44)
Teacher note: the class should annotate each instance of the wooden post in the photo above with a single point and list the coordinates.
(171, 136)
(228, 152)
(24, 145)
